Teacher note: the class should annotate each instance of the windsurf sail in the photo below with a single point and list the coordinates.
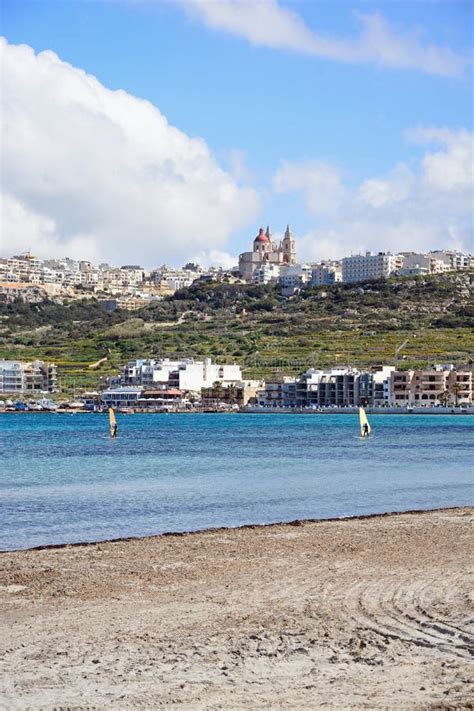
(112, 423)
(365, 428)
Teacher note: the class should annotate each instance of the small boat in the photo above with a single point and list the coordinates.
(33, 406)
(47, 404)
(112, 423)
(365, 428)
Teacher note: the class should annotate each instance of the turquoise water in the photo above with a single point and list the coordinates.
(63, 479)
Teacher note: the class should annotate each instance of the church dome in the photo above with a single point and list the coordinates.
(261, 237)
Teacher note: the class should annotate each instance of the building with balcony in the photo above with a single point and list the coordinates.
(439, 385)
(35, 377)
(280, 392)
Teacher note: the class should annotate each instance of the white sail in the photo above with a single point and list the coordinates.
(365, 428)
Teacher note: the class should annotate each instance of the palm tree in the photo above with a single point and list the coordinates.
(456, 389)
(444, 397)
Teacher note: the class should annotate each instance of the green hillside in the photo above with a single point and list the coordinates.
(346, 324)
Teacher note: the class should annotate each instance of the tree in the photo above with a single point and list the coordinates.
(444, 397)
(456, 389)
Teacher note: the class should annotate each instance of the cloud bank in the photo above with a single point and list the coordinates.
(268, 24)
(418, 207)
(99, 174)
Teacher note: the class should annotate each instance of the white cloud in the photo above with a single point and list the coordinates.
(452, 167)
(377, 192)
(414, 207)
(86, 168)
(269, 24)
(216, 258)
(319, 182)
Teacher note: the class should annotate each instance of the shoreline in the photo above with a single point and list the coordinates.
(246, 526)
(370, 612)
(263, 411)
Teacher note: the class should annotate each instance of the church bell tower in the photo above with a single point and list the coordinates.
(288, 246)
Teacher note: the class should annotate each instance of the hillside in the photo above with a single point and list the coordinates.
(344, 324)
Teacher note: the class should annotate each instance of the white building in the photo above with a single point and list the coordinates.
(295, 275)
(266, 273)
(370, 266)
(33, 377)
(121, 396)
(187, 374)
(454, 261)
(326, 273)
(278, 393)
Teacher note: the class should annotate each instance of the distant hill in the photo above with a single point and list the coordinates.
(359, 324)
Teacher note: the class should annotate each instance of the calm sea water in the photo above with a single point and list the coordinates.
(63, 480)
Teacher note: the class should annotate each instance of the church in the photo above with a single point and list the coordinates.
(265, 251)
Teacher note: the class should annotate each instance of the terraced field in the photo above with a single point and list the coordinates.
(359, 325)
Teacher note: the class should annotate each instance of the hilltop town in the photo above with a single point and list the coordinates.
(132, 286)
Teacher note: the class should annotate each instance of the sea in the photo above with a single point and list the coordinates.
(63, 480)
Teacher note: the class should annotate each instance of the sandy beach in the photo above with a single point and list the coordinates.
(357, 613)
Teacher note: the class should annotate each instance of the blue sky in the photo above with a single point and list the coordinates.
(347, 142)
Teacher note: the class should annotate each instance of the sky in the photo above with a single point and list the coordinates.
(167, 131)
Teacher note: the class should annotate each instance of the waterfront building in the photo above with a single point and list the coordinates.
(266, 251)
(314, 388)
(374, 386)
(440, 384)
(121, 397)
(186, 374)
(33, 377)
(332, 387)
(335, 387)
(280, 392)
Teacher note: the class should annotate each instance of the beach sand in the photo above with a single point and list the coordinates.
(357, 613)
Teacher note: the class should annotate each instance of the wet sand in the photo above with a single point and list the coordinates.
(359, 613)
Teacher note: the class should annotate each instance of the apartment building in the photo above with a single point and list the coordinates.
(314, 388)
(266, 273)
(441, 384)
(370, 266)
(326, 273)
(294, 276)
(374, 386)
(280, 392)
(452, 259)
(20, 377)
